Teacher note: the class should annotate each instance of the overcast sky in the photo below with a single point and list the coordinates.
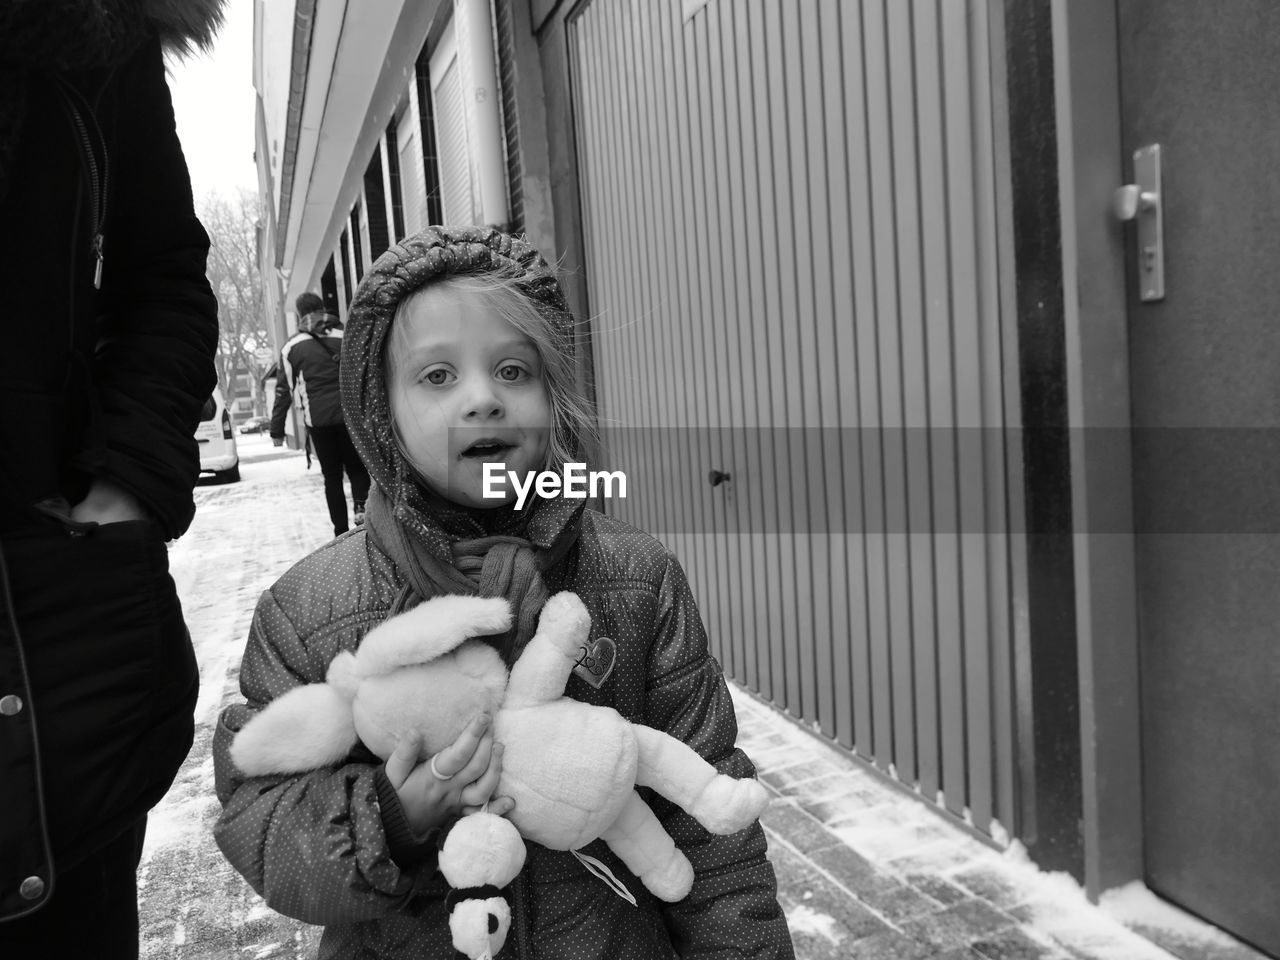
(213, 100)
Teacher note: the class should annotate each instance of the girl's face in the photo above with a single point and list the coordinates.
(466, 389)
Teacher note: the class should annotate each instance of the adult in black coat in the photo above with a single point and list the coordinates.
(308, 371)
(110, 330)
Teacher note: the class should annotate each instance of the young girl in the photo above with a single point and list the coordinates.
(459, 352)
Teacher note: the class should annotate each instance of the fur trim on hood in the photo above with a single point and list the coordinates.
(53, 35)
(66, 36)
(186, 26)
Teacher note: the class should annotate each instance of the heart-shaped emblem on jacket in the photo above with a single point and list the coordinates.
(596, 661)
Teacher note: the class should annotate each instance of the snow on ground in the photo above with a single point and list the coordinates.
(1188, 936)
(909, 839)
(1135, 905)
(803, 919)
(245, 535)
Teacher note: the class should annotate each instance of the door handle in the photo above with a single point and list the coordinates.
(1141, 201)
(1131, 199)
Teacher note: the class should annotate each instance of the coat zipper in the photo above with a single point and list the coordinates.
(90, 134)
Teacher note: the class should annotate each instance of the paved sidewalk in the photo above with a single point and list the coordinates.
(866, 872)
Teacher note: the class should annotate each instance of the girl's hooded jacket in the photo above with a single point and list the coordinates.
(316, 846)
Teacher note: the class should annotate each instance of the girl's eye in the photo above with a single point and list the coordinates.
(437, 377)
(511, 372)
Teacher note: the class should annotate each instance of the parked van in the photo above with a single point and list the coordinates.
(218, 454)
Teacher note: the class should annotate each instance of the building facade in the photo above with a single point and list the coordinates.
(881, 360)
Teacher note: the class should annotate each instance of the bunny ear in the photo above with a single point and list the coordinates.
(306, 728)
(430, 630)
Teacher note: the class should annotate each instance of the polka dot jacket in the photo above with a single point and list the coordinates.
(314, 845)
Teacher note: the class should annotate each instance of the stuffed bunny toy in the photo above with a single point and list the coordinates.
(572, 768)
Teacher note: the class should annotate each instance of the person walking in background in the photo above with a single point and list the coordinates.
(110, 332)
(459, 355)
(308, 369)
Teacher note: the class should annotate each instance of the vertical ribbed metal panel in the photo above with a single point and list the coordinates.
(788, 223)
(939, 478)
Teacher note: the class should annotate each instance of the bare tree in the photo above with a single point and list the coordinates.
(233, 273)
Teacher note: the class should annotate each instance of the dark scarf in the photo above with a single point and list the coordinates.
(443, 548)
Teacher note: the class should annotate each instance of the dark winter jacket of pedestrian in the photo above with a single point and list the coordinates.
(110, 329)
(308, 370)
(327, 847)
(107, 380)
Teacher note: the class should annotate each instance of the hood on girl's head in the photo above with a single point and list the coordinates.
(409, 265)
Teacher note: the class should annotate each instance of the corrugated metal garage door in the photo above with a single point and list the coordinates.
(789, 220)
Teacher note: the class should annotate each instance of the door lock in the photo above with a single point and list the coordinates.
(1141, 201)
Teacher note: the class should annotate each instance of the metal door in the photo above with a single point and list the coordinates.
(1200, 80)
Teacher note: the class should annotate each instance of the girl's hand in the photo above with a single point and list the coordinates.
(464, 777)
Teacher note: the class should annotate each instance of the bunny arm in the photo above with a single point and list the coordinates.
(643, 844)
(304, 729)
(543, 668)
(720, 803)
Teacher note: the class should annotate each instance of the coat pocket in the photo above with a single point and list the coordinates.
(110, 667)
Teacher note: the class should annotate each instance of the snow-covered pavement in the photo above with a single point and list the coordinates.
(865, 871)
(869, 873)
(192, 904)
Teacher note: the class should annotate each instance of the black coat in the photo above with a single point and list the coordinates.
(97, 676)
(308, 370)
(103, 381)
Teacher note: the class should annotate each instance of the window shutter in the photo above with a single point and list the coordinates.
(415, 197)
(451, 132)
(413, 189)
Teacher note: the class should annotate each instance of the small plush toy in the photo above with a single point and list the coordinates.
(481, 854)
(571, 767)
